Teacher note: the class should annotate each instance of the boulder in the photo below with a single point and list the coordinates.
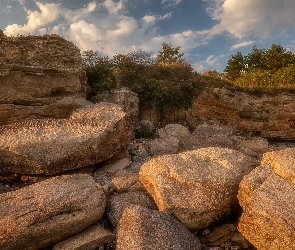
(36, 74)
(123, 97)
(198, 187)
(89, 239)
(169, 139)
(267, 198)
(45, 213)
(48, 146)
(143, 229)
(119, 202)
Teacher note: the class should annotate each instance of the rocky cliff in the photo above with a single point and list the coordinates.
(40, 76)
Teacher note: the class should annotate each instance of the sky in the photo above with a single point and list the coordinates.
(208, 31)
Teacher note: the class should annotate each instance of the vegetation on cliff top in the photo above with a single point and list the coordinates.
(263, 69)
(167, 79)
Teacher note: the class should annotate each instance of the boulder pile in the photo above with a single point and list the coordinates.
(81, 180)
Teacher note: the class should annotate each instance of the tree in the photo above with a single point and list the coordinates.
(169, 55)
(235, 65)
(270, 60)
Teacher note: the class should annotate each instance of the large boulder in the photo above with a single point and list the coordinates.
(48, 146)
(142, 229)
(45, 213)
(198, 187)
(267, 197)
(36, 73)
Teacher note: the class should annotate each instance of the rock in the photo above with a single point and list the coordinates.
(89, 239)
(219, 235)
(123, 97)
(239, 240)
(254, 146)
(36, 74)
(168, 141)
(45, 213)
(267, 115)
(140, 228)
(48, 146)
(125, 182)
(208, 135)
(198, 187)
(119, 202)
(267, 198)
(104, 175)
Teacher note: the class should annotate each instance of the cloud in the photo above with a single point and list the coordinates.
(166, 16)
(170, 3)
(36, 19)
(258, 18)
(242, 44)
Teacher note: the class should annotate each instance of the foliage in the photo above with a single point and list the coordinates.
(271, 60)
(99, 71)
(272, 68)
(165, 80)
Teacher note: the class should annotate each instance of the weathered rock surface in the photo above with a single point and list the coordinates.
(267, 197)
(45, 213)
(169, 140)
(198, 187)
(89, 239)
(119, 202)
(48, 146)
(143, 229)
(123, 97)
(268, 116)
(36, 73)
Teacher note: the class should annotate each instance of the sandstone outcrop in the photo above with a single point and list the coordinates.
(143, 229)
(45, 213)
(269, 116)
(198, 187)
(48, 146)
(267, 197)
(36, 74)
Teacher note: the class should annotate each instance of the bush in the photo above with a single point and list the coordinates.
(166, 80)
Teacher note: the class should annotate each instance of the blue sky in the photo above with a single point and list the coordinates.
(209, 31)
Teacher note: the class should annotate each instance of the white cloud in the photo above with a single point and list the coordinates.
(166, 16)
(170, 3)
(36, 19)
(241, 44)
(259, 18)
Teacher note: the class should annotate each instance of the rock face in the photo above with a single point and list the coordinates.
(144, 229)
(39, 215)
(268, 116)
(198, 187)
(36, 74)
(267, 197)
(123, 97)
(49, 146)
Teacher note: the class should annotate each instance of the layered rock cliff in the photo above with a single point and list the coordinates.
(40, 76)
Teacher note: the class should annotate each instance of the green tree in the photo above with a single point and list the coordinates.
(235, 66)
(169, 55)
(99, 71)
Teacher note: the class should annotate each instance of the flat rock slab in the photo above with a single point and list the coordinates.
(198, 187)
(143, 229)
(45, 213)
(89, 239)
(48, 146)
